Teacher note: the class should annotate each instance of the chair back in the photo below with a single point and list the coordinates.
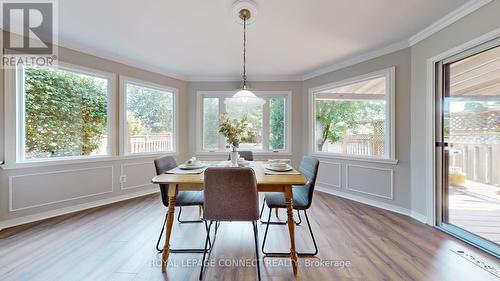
(230, 194)
(162, 165)
(245, 154)
(309, 167)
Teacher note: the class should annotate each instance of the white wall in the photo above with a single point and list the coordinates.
(482, 21)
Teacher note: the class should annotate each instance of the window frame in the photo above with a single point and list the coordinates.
(265, 126)
(390, 144)
(123, 140)
(16, 126)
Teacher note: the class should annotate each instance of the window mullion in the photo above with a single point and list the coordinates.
(265, 125)
(222, 109)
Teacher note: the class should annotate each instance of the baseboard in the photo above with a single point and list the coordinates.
(397, 209)
(419, 217)
(72, 209)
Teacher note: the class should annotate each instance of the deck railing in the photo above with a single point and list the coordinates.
(150, 143)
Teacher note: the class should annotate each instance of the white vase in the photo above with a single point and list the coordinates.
(234, 158)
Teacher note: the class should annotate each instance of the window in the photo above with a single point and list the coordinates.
(150, 118)
(354, 117)
(270, 122)
(63, 113)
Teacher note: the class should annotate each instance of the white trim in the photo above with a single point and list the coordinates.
(11, 209)
(419, 217)
(430, 176)
(14, 112)
(447, 20)
(124, 80)
(390, 197)
(440, 24)
(67, 210)
(236, 78)
(10, 116)
(374, 203)
(359, 158)
(121, 59)
(358, 59)
(265, 145)
(123, 174)
(84, 160)
(390, 141)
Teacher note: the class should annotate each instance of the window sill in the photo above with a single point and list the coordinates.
(257, 153)
(356, 158)
(96, 159)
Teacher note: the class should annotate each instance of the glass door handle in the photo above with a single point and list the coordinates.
(441, 144)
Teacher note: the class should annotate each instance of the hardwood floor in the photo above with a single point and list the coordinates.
(117, 242)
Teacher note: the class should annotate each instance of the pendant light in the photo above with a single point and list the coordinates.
(244, 96)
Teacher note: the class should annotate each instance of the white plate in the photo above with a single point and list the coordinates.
(191, 167)
(279, 169)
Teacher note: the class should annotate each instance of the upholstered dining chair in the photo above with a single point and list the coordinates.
(230, 195)
(245, 154)
(182, 199)
(302, 200)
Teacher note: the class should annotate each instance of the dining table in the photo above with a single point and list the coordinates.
(266, 182)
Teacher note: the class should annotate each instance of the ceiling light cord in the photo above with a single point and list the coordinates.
(244, 52)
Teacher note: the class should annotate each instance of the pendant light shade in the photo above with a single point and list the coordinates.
(244, 96)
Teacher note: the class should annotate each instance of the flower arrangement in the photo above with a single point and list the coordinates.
(235, 131)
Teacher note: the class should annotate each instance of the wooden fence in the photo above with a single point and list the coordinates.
(150, 143)
(478, 162)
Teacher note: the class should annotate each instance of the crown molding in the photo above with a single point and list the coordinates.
(450, 18)
(447, 20)
(358, 59)
(122, 60)
(252, 78)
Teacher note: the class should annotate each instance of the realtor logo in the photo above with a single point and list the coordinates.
(28, 32)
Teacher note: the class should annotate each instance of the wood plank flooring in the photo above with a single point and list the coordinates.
(117, 242)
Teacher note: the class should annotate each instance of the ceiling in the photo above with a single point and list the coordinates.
(477, 75)
(199, 39)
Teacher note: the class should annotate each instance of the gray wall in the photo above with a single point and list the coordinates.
(41, 191)
(47, 191)
(482, 21)
(343, 177)
(297, 120)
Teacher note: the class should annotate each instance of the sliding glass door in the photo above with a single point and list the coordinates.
(468, 145)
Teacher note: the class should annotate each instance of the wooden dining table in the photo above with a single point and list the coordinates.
(265, 183)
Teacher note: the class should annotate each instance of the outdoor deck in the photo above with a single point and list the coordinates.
(475, 207)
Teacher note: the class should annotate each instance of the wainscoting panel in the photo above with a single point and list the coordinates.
(35, 190)
(370, 180)
(330, 174)
(136, 175)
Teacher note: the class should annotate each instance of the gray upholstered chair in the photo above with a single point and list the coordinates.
(245, 154)
(302, 200)
(182, 199)
(230, 195)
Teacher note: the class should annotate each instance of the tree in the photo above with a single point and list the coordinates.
(277, 123)
(253, 116)
(335, 117)
(65, 112)
(154, 109)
